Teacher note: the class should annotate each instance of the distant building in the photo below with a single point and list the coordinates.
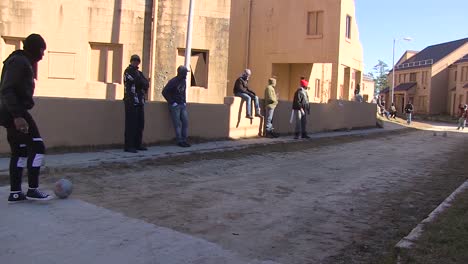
(368, 88)
(433, 79)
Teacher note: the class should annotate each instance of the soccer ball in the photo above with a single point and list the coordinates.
(63, 188)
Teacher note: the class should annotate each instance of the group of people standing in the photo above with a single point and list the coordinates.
(136, 90)
(300, 106)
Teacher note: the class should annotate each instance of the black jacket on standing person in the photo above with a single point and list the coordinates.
(136, 88)
(16, 86)
(301, 100)
(242, 86)
(136, 85)
(409, 108)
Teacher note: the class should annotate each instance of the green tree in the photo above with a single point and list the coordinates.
(380, 76)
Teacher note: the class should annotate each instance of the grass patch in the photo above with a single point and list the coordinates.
(446, 239)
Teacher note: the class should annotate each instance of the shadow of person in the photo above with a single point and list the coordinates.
(261, 128)
(239, 116)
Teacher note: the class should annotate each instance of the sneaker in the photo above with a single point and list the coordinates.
(305, 136)
(131, 150)
(142, 148)
(184, 145)
(36, 195)
(258, 115)
(296, 136)
(249, 116)
(16, 197)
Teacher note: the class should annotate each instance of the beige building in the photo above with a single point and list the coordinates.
(90, 43)
(315, 39)
(428, 80)
(458, 85)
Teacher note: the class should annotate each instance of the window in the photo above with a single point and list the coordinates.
(106, 62)
(424, 77)
(464, 74)
(315, 23)
(348, 26)
(413, 77)
(317, 88)
(198, 66)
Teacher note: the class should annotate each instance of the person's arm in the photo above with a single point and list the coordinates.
(130, 83)
(14, 87)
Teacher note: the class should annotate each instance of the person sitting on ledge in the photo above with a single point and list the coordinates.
(241, 89)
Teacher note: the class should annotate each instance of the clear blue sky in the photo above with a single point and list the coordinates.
(427, 22)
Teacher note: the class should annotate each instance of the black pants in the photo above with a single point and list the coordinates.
(27, 150)
(134, 125)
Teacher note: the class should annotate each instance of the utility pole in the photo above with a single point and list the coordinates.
(188, 44)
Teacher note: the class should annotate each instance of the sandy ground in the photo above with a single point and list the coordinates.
(346, 200)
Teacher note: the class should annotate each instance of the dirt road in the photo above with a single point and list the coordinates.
(345, 200)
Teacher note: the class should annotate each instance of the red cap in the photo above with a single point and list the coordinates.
(304, 83)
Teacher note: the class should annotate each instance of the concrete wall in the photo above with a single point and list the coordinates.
(89, 43)
(78, 122)
(210, 34)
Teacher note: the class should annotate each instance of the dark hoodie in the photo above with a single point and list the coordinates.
(174, 91)
(16, 86)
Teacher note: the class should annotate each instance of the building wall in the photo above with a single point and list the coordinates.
(368, 89)
(268, 34)
(85, 122)
(210, 35)
(89, 43)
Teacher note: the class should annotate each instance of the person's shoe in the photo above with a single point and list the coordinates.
(184, 145)
(305, 136)
(16, 197)
(142, 148)
(258, 115)
(296, 136)
(36, 195)
(458, 128)
(269, 134)
(249, 116)
(131, 150)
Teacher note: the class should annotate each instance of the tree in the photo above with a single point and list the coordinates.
(380, 76)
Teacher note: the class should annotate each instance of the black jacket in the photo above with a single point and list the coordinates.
(136, 86)
(301, 100)
(16, 86)
(242, 86)
(174, 91)
(409, 108)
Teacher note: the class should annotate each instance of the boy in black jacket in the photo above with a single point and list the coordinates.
(16, 99)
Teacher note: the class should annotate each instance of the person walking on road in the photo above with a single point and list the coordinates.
(409, 112)
(462, 116)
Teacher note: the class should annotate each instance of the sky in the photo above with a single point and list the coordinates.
(427, 22)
